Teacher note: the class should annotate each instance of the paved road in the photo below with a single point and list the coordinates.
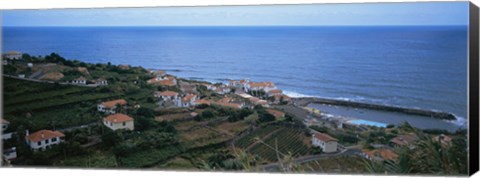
(308, 158)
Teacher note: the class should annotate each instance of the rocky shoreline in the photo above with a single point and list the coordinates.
(304, 101)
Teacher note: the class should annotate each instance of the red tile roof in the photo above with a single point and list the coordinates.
(203, 101)
(276, 113)
(111, 104)
(382, 153)
(168, 93)
(261, 84)
(188, 98)
(275, 91)
(166, 82)
(43, 135)
(324, 137)
(118, 118)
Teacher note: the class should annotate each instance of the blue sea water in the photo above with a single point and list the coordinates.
(410, 66)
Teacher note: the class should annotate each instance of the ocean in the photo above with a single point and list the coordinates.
(410, 66)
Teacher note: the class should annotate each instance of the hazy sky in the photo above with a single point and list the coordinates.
(426, 13)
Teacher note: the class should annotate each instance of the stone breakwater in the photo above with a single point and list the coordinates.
(304, 101)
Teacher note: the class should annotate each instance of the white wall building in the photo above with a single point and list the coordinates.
(111, 106)
(325, 141)
(119, 121)
(80, 80)
(13, 55)
(43, 139)
(10, 153)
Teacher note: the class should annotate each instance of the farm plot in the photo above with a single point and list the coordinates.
(249, 139)
(287, 140)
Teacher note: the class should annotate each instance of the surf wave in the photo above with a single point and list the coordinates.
(293, 94)
(459, 121)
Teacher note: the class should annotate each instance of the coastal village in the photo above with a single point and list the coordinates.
(60, 112)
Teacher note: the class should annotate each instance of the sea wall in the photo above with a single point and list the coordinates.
(428, 113)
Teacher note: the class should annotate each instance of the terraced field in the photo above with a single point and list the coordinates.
(287, 140)
(50, 105)
(249, 139)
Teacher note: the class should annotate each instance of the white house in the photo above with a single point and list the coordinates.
(324, 141)
(239, 84)
(111, 106)
(80, 80)
(101, 81)
(13, 55)
(188, 100)
(10, 153)
(222, 90)
(30, 65)
(43, 139)
(167, 95)
(118, 121)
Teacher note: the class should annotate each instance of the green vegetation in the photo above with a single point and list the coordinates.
(288, 140)
(426, 156)
(249, 139)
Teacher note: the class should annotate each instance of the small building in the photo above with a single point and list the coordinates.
(257, 86)
(158, 73)
(163, 80)
(118, 121)
(30, 65)
(325, 141)
(43, 139)
(223, 90)
(403, 140)
(21, 75)
(379, 154)
(275, 92)
(80, 80)
(101, 81)
(238, 84)
(276, 113)
(10, 154)
(167, 95)
(188, 100)
(13, 55)
(111, 106)
(124, 67)
(4, 124)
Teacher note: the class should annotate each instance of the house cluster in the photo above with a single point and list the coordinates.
(83, 81)
(115, 120)
(271, 91)
(219, 88)
(161, 78)
(12, 55)
(176, 99)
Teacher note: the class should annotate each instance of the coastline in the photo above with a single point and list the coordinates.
(304, 101)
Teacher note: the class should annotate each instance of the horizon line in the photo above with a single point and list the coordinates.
(406, 25)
